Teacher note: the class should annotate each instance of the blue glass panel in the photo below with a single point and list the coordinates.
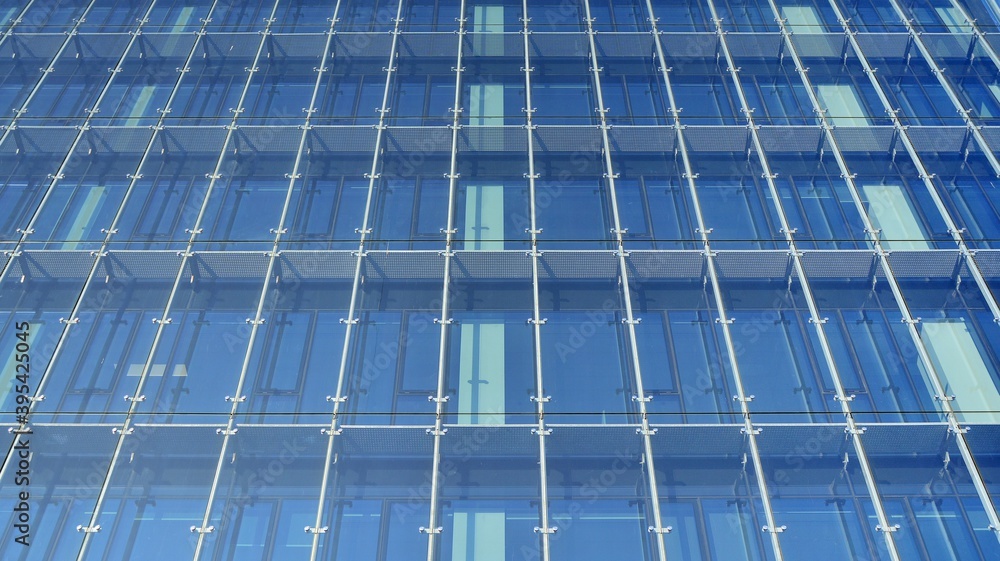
(166, 201)
(177, 16)
(874, 353)
(575, 342)
(66, 471)
(210, 89)
(48, 17)
(294, 364)
(159, 488)
(102, 357)
(378, 498)
(32, 307)
(303, 16)
(598, 502)
(708, 496)
(409, 214)
(818, 491)
(817, 202)
(198, 359)
(574, 214)
(931, 496)
(392, 368)
(619, 15)
(267, 494)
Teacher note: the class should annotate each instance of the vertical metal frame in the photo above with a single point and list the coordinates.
(546, 528)
(657, 529)
(339, 397)
(772, 528)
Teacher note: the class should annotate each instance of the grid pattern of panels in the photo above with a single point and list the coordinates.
(491, 279)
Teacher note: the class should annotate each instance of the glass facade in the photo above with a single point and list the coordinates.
(500, 280)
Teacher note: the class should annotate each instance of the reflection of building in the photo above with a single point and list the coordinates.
(461, 280)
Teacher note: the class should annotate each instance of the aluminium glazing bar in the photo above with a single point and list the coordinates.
(186, 255)
(546, 529)
(258, 319)
(748, 429)
(351, 320)
(657, 529)
(434, 525)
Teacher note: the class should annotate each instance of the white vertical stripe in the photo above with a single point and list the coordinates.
(890, 210)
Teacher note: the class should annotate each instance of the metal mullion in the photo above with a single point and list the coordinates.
(748, 428)
(433, 528)
(815, 317)
(882, 255)
(162, 322)
(255, 323)
(126, 428)
(158, 127)
(306, 127)
(657, 529)
(546, 529)
(273, 255)
(82, 129)
(351, 320)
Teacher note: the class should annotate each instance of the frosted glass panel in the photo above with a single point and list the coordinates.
(481, 373)
(486, 105)
(958, 361)
(952, 19)
(487, 19)
(890, 210)
(484, 228)
(479, 536)
(842, 104)
(802, 19)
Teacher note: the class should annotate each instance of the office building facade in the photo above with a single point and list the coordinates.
(500, 280)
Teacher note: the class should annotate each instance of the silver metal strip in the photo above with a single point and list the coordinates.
(545, 529)
(630, 321)
(351, 320)
(258, 319)
(433, 536)
(741, 397)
